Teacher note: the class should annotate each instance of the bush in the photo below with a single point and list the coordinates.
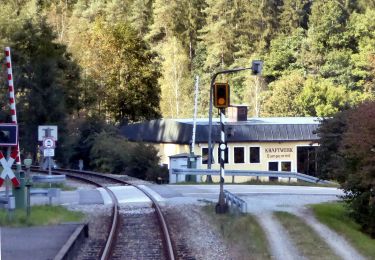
(102, 149)
(112, 153)
(347, 153)
(144, 163)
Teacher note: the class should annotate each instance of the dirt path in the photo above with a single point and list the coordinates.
(281, 245)
(338, 244)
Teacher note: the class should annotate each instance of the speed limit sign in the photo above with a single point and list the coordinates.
(48, 143)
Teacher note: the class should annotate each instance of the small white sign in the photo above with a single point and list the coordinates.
(49, 152)
(45, 131)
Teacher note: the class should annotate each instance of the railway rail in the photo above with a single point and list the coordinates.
(117, 242)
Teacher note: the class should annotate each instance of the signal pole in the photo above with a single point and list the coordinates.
(256, 69)
(222, 207)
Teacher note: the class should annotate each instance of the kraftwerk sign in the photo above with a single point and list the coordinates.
(278, 152)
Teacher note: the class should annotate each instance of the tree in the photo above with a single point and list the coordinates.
(347, 154)
(177, 88)
(361, 28)
(327, 27)
(141, 16)
(294, 14)
(280, 99)
(321, 97)
(122, 71)
(45, 79)
(133, 89)
(358, 149)
(218, 35)
(284, 55)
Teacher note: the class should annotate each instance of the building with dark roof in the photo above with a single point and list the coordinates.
(279, 143)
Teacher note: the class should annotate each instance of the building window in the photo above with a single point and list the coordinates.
(225, 155)
(273, 166)
(286, 166)
(254, 154)
(204, 155)
(239, 154)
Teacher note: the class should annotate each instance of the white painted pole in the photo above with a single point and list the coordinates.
(195, 113)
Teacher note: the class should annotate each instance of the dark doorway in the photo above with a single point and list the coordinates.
(307, 160)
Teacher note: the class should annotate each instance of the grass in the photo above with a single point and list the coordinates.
(242, 232)
(61, 186)
(335, 216)
(304, 237)
(40, 216)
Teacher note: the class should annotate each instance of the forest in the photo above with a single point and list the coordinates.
(83, 64)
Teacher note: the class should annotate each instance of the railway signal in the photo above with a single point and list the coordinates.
(221, 95)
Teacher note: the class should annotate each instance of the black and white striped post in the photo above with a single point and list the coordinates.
(222, 207)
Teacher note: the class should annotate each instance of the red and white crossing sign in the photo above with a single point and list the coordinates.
(7, 171)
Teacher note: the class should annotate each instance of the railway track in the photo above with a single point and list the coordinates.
(133, 234)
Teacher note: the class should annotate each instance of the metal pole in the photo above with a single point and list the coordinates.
(209, 162)
(28, 186)
(7, 184)
(50, 184)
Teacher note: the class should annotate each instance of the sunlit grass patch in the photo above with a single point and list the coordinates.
(40, 216)
(335, 216)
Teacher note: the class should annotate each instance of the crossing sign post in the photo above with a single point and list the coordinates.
(7, 171)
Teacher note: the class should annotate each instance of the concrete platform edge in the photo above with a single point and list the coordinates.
(72, 245)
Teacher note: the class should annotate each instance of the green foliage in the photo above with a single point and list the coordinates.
(137, 60)
(281, 98)
(327, 25)
(347, 153)
(294, 15)
(177, 88)
(135, 159)
(102, 149)
(321, 97)
(144, 163)
(284, 55)
(109, 153)
(330, 135)
(82, 138)
(45, 79)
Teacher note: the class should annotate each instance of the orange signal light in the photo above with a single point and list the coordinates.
(221, 95)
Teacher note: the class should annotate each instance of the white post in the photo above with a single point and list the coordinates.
(195, 113)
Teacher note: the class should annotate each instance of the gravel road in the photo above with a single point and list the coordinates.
(262, 201)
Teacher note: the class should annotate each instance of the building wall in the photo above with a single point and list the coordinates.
(280, 153)
(166, 150)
